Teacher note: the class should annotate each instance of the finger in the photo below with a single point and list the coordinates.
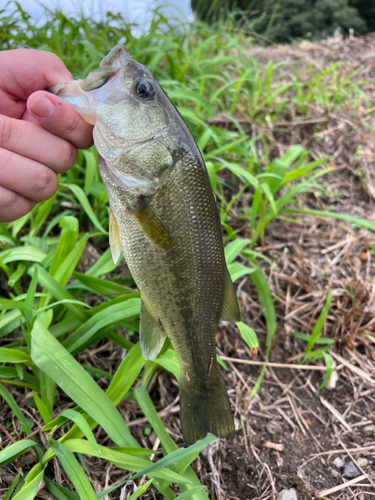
(33, 141)
(26, 177)
(27, 117)
(13, 206)
(60, 118)
(23, 71)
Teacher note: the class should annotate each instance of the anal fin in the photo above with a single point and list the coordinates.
(114, 238)
(151, 224)
(150, 335)
(231, 310)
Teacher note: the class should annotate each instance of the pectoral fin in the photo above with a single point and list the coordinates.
(114, 238)
(231, 310)
(150, 334)
(151, 224)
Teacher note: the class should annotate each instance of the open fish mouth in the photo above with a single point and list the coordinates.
(68, 89)
(117, 59)
(73, 93)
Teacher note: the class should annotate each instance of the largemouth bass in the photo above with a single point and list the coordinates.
(165, 220)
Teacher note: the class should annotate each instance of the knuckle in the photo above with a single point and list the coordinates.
(8, 199)
(55, 61)
(67, 155)
(13, 205)
(7, 131)
(71, 126)
(45, 183)
(54, 58)
(6, 156)
(10, 205)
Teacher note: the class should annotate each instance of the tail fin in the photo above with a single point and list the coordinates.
(205, 410)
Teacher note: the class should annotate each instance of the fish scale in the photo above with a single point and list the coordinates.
(165, 220)
(202, 280)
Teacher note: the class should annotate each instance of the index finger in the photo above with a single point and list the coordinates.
(23, 71)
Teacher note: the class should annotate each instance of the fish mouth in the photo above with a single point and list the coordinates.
(68, 89)
(73, 93)
(118, 58)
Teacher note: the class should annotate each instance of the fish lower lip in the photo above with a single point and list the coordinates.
(69, 89)
(56, 89)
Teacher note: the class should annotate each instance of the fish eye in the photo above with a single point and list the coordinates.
(145, 89)
(98, 84)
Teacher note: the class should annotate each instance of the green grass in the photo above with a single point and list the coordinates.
(44, 320)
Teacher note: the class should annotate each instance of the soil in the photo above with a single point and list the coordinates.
(290, 433)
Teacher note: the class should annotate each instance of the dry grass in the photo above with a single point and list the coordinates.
(310, 259)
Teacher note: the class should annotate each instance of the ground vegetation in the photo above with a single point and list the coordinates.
(287, 133)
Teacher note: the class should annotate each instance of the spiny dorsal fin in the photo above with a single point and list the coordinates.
(151, 224)
(231, 310)
(150, 334)
(114, 238)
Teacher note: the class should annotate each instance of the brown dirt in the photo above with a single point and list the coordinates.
(311, 258)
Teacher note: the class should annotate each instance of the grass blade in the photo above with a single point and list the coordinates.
(43, 410)
(167, 443)
(136, 494)
(14, 356)
(234, 248)
(84, 202)
(329, 364)
(100, 286)
(57, 291)
(126, 374)
(51, 357)
(168, 360)
(258, 383)
(248, 335)
(91, 168)
(27, 253)
(105, 317)
(362, 223)
(103, 265)
(144, 401)
(67, 266)
(140, 490)
(174, 457)
(125, 461)
(74, 471)
(67, 242)
(32, 481)
(319, 325)
(81, 422)
(4, 393)
(15, 450)
(58, 491)
(12, 486)
(47, 391)
(266, 300)
(187, 494)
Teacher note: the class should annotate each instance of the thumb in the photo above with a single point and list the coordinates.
(60, 118)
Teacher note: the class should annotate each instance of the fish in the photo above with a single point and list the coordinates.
(164, 218)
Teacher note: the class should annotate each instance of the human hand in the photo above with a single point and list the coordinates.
(39, 132)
